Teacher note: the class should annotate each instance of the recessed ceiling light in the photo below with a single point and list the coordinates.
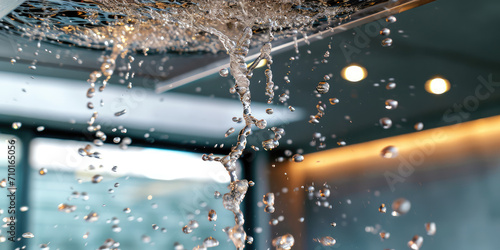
(437, 85)
(354, 73)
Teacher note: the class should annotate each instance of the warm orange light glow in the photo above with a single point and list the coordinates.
(437, 85)
(439, 145)
(354, 73)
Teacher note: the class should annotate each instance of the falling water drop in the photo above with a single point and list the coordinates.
(229, 132)
(327, 241)
(66, 208)
(391, 19)
(284, 242)
(385, 122)
(187, 230)
(210, 242)
(217, 195)
(400, 206)
(212, 215)
(382, 208)
(419, 126)
(28, 235)
(384, 235)
(90, 92)
(333, 101)
(224, 72)
(391, 85)
(385, 32)
(323, 87)
(391, 104)
(42, 171)
(389, 152)
(97, 178)
(430, 228)
(416, 242)
(16, 125)
(387, 42)
(121, 112)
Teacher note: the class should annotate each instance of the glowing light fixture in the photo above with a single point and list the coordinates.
(437, 85)
(354, 73)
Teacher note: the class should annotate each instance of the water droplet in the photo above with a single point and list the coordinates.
(16, 125)
(324, 192)
(193, 224)
(210, 242)
(249, 240)
(391, 104)
(385, 122)
(391, 85)
(224, 72)
(291, 108)
(385, 32)
(269, 111)
(217, 195)
(3, 183)
(400, 206)
(416, 242)
(419, 126)
(186, 229)
(97, 178)
(268, 200)
(229, 132)
(387, 42)
(273, 222)
(323, 87)
(146, 239)
(333, 101)
(127, 210)
(430, 227)
(42, 171)
(297, 158)
(40, 128)
(33, 67)
(212, 215)
(391, 19)
(90, 92)
(382, 208)
(389, 152)
(28, 235)
(116, 228)
(327, 241)
(12, 60)
(91, 217)
(333, 224)
(24, 208)
(284, 242)
(121, 112)
(155, 227)
(384, 235)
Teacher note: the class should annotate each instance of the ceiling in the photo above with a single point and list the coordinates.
(453, 39)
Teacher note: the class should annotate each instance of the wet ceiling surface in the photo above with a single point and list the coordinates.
(434, 39)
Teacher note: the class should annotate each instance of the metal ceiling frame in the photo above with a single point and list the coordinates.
(361, 17)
